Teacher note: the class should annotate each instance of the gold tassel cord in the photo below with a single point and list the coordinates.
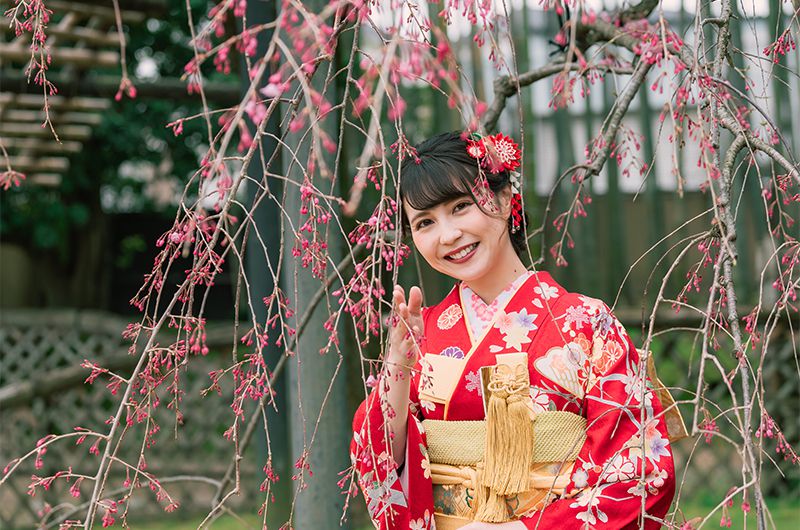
(491, 507)
(509, 434)
(509, 442)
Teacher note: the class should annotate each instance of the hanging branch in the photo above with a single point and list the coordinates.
(212, 222)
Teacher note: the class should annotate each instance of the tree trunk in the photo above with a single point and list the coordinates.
(318, 419)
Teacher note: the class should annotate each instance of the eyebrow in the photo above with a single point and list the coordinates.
(417, 216)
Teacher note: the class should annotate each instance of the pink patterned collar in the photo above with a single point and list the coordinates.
(479, 314)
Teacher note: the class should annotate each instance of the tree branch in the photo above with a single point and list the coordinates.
(757, 143)
(621, 105)
(637, 12)
(739, 143)
(728, 256)
(506, 86)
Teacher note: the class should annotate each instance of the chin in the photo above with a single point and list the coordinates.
(466, 275)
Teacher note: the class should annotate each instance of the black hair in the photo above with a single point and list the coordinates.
(441, 171)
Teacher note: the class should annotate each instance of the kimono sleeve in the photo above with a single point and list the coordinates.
(385, 492)
(625, 467)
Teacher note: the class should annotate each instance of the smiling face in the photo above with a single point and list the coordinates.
(459, 239)
(454, 235)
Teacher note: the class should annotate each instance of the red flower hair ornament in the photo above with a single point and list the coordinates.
(496, 153)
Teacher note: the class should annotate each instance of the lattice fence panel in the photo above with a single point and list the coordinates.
(40, 344)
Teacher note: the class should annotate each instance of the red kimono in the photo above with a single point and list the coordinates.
(580, 360)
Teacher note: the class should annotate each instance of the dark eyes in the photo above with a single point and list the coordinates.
(461, 205)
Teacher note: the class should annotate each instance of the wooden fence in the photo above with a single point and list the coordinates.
(630, 212)
(42, 391)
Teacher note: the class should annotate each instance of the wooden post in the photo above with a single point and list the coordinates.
(319, 423)
(619, 252)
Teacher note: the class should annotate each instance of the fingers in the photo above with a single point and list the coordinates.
(415, 301)
(398, 296)
(399, 303)
(406, 309)
(406, 322)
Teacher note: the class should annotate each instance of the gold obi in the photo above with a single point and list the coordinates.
(456, 451)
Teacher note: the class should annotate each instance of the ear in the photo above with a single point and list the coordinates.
(503, 198)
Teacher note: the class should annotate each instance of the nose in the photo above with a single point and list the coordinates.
(449, 234)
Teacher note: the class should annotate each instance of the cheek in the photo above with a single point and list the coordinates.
(422, 243)
(494, 229)
(425, 245)
(483, 224)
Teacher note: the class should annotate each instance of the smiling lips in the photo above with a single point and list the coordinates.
(462, 254)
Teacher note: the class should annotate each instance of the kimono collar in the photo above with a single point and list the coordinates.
(478, 313)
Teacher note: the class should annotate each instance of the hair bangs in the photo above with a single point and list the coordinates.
(439, 181)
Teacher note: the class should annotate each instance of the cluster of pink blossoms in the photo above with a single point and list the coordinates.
(363, 292)
(783, 45)
(651, 44)
(32, 16)
(371, 234)
(770, 429)
(10, 179)
(709, 427)
(310, 243)
(415, 59)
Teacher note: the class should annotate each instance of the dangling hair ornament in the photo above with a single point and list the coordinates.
(516, 201)
(496, 153)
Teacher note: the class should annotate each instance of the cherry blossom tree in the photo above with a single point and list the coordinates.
(323, 122)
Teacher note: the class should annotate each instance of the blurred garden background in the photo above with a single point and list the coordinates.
(79, 235)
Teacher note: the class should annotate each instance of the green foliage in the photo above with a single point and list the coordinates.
(43, 218)
(129, 246)
(783, 512)
(49, 219)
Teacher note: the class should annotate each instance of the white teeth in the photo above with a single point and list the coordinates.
(464, 252)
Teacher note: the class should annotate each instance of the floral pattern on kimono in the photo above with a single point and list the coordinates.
(388, 502)
(626, 461)
(581, 360)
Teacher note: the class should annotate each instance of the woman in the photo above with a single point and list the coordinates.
(512, 403)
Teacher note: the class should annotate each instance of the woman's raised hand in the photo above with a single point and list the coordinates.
(407, 326)
(404, 337)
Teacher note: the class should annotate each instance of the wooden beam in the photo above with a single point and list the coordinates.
(57, 103)
(41, 146)
(30, 164)
(86, 9)
(67, 30)
(65, 132)
(66, 23)
(220, 93)
(90, 36)
(37, 116)
(61, 56)
(48, 180)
